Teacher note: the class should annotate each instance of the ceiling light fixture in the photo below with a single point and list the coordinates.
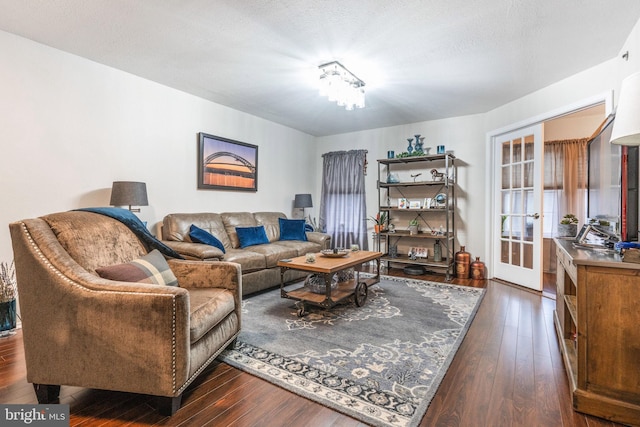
(341, 86)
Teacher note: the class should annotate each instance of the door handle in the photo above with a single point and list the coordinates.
(535, 215)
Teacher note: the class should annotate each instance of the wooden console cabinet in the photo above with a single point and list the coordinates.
(597, 320)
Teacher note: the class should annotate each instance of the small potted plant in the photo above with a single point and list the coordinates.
(8, 294)
(413, 226)
(380, 222)
(568, 226)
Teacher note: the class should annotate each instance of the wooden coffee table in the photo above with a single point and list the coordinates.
(327, 267)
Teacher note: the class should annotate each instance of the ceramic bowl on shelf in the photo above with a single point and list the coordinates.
(335, 253)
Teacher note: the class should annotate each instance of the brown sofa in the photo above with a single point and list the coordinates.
(259, 269)
(83, 330)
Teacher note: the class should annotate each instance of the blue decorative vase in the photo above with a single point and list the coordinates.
(7, 315)
(410, 147)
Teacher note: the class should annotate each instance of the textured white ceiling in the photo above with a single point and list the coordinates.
(421, 59)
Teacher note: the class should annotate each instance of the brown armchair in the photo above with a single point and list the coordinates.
(83, 330)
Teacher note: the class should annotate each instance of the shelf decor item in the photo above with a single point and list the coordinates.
(463, 259)
(380, 222)
(441, 200)
(477, 269)
(8, 294)
(437, 251)
(413, 227)
(393, 178)
(418, 147)
(410, 146)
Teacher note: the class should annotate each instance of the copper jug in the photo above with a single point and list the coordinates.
(463, 259)
(477, 269)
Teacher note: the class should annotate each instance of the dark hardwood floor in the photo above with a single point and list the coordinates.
(507, 372)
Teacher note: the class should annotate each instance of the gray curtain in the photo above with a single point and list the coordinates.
(343, 207)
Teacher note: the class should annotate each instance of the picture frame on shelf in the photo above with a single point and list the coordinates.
(414, 204)
(402, 203)
(419, 252)
(226, 164)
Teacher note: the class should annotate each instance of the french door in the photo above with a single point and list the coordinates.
(517, 230)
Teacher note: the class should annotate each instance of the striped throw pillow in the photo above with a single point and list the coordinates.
(151, 268)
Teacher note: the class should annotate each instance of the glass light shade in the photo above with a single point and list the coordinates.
(626, 126)
(340, 86)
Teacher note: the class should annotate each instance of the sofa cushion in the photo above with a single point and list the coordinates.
(176, 227)
(151, 268)
(274, 252)
(271, 222)
(301, 247)
(198, 235)
(292, 229)
(231, 220)
(208, 307)
(248, 260)
(251, 236)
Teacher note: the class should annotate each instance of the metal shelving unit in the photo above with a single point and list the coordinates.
(437, 221)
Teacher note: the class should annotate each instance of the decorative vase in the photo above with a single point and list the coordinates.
(437, 251)
(477, 269)
(462, 259)
(410, 147)
(413, 229)
(420, 144)
(7, 316)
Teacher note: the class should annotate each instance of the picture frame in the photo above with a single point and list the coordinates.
(402, 203)
(414, 204)
(420, 252)
(226, 164)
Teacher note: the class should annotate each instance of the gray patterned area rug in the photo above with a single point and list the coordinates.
(381, 363)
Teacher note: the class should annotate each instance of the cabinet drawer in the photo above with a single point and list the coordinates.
(571, 269)
(567, 264)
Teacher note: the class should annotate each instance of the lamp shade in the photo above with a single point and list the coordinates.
(626, 126)
(129, 193)
(302, 201)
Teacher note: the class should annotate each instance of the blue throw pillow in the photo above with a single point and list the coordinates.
(292, 229)
(250, 236)
(199, 235)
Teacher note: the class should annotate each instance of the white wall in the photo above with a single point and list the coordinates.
(69, 127)
(575, 126)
